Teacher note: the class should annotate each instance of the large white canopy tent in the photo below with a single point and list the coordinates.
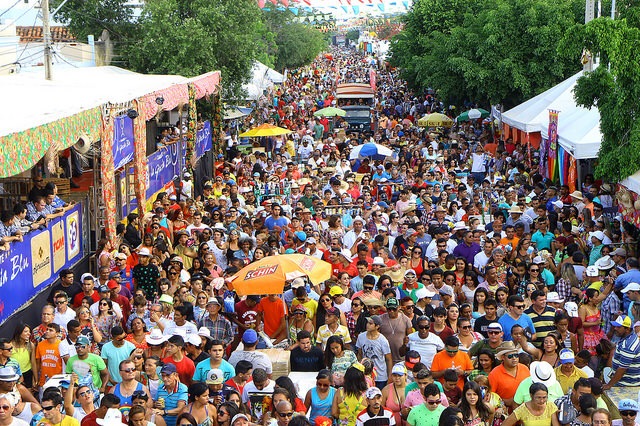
(262, 78)
(578, 127)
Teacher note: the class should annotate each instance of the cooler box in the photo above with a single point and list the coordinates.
(280, 361)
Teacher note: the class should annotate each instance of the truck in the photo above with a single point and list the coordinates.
(357, 99)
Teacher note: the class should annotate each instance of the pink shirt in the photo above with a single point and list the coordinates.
(415, 398)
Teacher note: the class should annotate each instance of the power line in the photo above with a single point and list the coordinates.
(12, 23)
(12, 6)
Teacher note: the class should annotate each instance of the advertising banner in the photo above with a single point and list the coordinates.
(203, 139)
(122, 141)
(31, 266)
(162, 166)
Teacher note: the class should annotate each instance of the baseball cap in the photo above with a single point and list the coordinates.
(598, 234)
(193, 339)
(411, 359)
(335, 290)
(392, 302)
(572, 309)
(619, 252)
(168, 369)
(566, 356)
(121, 256)
(399, 369)
(374, 319)
(215, 376)
(144, 252)
(628, 405)
(622, 321)
(111, 284)
(250, 336)
(410, 271)
(631, 287)
(446, 290)
(103, 289)
(592, 271)
(333, 311)
(373, 392)
(113, 275)
(82, 341)
(298, 282)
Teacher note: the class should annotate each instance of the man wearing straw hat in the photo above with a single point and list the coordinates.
(506, 378)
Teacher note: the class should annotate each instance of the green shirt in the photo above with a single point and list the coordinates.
(83, 367)
(421, 416)
(413, 386)
(522, 393)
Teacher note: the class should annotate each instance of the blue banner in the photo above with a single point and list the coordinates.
(122, 141)
(162, 166)
(203, 139)
(32, 265)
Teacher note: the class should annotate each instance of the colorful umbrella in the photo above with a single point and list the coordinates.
(435, 120)
(473, 114)
(373, 150)
(330, 112)
(265, 130)
(269, 274)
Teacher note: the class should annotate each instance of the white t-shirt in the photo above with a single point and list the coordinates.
(427, 348)
(251, 388)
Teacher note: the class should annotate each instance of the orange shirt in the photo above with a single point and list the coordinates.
(50, 360)
(272, 314)
(442, 361)
(504, 384)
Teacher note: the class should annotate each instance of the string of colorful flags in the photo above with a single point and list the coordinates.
(348, 6)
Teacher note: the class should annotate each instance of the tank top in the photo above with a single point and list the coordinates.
(207, 421)
(349, 408)
(25, 414)
(321, 407)
(393, 405)
(126, 402)
(23, 356)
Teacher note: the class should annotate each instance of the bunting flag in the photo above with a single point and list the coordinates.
(356, 9)
(348, 2)
(285, 2)
(381, 7)
(261, 4)
(345, 8)
(295, 10)
(405, 3)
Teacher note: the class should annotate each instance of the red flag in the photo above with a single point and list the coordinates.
(285, 2)
(261, 4)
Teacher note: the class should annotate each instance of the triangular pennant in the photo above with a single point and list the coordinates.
(405, 3)
(261, 4)
(381, 7)
(295, 10)
(356, 9)
(345, 8)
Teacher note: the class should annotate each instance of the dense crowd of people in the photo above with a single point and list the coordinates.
(465, 288)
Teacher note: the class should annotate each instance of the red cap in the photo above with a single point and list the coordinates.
(112, 284)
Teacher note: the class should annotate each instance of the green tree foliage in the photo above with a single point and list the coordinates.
(191, 37)
(353, 35)
(91, 17)
(614, 88)
(294, 43)
(492, 51)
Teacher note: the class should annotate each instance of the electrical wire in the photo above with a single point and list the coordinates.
(59, 56)
(27, 44)
(11, 7)
(15, 20)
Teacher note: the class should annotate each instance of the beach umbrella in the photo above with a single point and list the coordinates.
(435, 120)
(265, 130)
(330, 112)
(473, 114)
(373, 150)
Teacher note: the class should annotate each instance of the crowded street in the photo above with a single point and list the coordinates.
(357, 254)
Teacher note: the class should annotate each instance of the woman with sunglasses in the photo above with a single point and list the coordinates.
(326, 302)
(466, 335)
(356, 318)
(319, 399)
(78, 401)
(226, 412)
(300, 321)
(232, 245)
(416, 261)
(106, 319)
(204, 413)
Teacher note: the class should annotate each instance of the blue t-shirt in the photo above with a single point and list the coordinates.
(204, 366)
(171, 400)
(506, 321)
(114, 356)
(542, 241)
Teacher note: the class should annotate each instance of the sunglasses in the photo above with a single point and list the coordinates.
(49, 408)
(518, 306)
(368, 288)
(512, 356)
(289, 414)
(493, 332)
(628, 413)
(85, 393)
(465, 327)
(423, 327)
(433, 402)
(128, 370)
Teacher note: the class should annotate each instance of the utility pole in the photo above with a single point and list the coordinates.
(46, 34)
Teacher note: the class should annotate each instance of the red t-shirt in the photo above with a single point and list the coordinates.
(246, 315)
(186, 368)
(77, 299)
(90, 419)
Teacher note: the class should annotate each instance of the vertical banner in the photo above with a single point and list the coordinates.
(108, 175)
(203, 139)
(122, 141)
(542, 165)
(217, 135)
(553, 142)
(140, 171)
(372, 78)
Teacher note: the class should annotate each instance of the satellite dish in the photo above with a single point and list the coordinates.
(84, 144)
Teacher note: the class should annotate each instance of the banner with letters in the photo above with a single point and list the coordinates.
(203, 139)
(32, 265)
(122, 141)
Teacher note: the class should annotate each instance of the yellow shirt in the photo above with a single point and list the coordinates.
(66, 421)
(311, 306)
(523, 414)
(566, 382)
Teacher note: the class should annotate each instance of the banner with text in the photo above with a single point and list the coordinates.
(32, 265)
(122, 141)
(163, 166)
(203, 139)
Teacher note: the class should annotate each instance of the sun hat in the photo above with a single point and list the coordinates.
(553, 297)
(505, 348)
(166, 298)
(604, 263)
(8, 374)
(155, 337)
(542, 372)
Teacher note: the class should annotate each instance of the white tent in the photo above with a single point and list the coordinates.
(262, 78)
(578, 128)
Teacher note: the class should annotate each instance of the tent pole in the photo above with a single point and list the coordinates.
(579, 175)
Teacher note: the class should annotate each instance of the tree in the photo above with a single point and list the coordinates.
(353, 35)
(194, 37)
(499, 51)
(90, 17)
(614, 88)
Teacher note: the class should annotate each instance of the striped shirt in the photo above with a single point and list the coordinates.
(543, 323)
(626, 356)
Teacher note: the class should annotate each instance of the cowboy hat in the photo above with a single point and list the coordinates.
(542, 372)
(505, 348)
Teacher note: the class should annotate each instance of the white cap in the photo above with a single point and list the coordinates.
(631, 287)
(346, 253)
(193, 339)
(538, 260)
(572, 309)
(113, 417)
(297, 283)
(592, 271)
(598, 234)
(554, 297)
(378, 261)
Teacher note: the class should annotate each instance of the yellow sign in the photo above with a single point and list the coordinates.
(41, 257)
(57, 235)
